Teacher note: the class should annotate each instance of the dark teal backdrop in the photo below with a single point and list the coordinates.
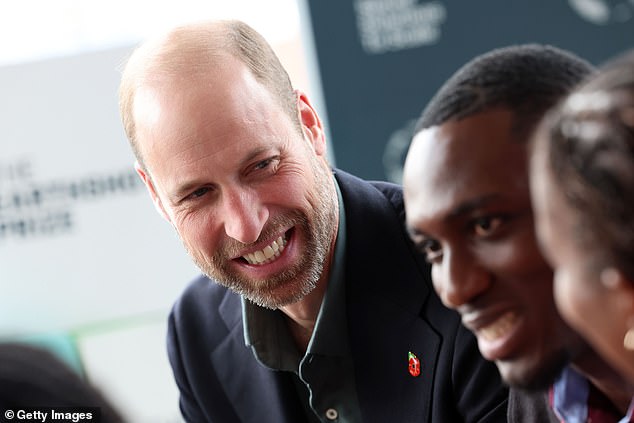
(380, 61)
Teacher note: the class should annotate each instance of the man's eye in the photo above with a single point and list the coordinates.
(431, 249)
(486, 226)
(263, 164)
(199, 192)
(269, 166)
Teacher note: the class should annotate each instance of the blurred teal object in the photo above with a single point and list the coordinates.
(62, 344)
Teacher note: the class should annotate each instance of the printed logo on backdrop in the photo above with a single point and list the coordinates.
(603, 12)
(31, 208)
(396, 150)
(394, 25)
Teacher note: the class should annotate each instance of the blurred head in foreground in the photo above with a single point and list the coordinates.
(582, 180)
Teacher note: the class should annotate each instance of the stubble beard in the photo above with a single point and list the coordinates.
(295, 282)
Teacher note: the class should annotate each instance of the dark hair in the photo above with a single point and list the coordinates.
(590, 143)
(31, 376)
(527, 79)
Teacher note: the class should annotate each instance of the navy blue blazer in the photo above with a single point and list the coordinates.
(391, 309)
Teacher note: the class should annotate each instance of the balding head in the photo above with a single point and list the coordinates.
(190, 51)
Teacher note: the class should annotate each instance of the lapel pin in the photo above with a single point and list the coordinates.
(413, 364)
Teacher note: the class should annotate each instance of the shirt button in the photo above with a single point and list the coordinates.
(331, 414)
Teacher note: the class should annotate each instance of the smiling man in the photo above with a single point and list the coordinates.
(469, 211)
(314, 306)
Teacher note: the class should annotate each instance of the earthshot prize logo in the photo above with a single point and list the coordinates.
(604, 12)
(32, 207)
(396, 150)
(393, 25)
(389, 26)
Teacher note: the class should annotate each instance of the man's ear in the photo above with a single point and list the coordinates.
(311, 124)
(158, 205)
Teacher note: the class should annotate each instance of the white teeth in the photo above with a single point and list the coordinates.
(267, 254)
(500, 327)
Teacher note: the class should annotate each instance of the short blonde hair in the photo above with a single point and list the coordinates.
(196, 49)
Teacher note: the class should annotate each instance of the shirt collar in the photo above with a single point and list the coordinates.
(571, 392)
(330, 336)
(570, 396)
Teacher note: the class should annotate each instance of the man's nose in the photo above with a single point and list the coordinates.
(244, 215)
(459, 278)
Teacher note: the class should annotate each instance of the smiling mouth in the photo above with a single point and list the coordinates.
(500, 327)
(269, 253)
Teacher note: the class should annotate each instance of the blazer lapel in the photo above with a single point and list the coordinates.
(384, 302)
(382, 337)
(255, 391)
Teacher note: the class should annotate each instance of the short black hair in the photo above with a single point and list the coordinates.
(528, 79)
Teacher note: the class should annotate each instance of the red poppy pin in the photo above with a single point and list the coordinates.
(413, 364)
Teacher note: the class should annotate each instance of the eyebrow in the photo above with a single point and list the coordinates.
(471, 205)
(176, 197)
(463, 209)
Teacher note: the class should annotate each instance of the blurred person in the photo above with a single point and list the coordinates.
(468, 210)
(31, 376)
(582, 180)
(314, 305)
